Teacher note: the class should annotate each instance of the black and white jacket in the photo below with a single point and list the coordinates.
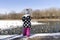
(26, 19)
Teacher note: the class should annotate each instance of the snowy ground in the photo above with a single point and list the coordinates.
(5, 37)
(7, 24)
(10, 37)
(46, 34)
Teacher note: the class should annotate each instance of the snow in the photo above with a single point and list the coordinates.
(32, 36)
(9, 36)
(45, 34)
(5, 36)
(8, 24)
(36, 23)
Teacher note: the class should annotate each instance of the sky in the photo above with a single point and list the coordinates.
(19, 5)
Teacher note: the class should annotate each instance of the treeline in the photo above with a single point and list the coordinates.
(46, 13)
(11, 16)
(35, 14)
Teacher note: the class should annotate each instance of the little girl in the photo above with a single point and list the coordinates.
(26, 25)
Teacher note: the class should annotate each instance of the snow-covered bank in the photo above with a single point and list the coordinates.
(45, 34)
(55, 35)
(7, 24)
(5, 37)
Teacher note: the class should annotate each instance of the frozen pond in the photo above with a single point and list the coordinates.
(6, 24)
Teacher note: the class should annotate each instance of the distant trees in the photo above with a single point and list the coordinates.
(35, 14)
(47, 13)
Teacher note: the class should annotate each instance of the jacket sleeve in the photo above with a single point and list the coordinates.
(23, 18)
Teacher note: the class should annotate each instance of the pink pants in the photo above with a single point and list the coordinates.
(26, 32)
